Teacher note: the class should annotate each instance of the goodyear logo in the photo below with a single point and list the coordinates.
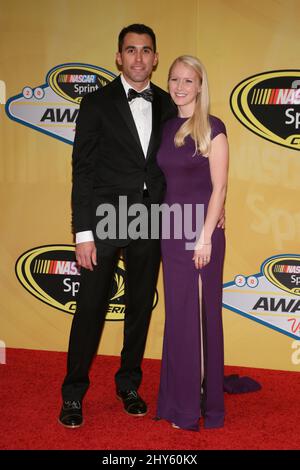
(52, 108)
(50, 273)
(268, 104)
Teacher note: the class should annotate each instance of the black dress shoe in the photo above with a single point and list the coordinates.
(133, 403)
(71, 414)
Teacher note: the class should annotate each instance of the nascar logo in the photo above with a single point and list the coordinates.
(63, 78)
(270, 297)
(282, 272)
(268, 104)
(52, 108)
(275, 96)
(50, 273)
(47, 266)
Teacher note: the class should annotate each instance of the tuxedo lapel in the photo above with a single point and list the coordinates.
(156, 121)
(122, 105)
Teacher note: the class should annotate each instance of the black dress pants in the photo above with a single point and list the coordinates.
(142, 259)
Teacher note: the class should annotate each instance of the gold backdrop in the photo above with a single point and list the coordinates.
(235, 39)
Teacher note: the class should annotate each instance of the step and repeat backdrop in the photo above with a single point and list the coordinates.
(52, 53)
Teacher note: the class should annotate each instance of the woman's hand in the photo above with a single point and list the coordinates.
(202, 255)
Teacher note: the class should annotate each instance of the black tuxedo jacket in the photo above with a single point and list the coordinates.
(108, 160)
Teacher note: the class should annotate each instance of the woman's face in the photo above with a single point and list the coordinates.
(184, 86)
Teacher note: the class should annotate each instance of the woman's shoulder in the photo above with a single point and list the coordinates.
(217, 126)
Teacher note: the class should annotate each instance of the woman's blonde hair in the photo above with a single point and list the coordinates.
(197, 126)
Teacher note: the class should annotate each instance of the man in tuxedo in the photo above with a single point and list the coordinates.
(117, 137)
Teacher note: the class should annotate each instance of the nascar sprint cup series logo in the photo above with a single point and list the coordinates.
(51, 274)
(270, 297)
(269, 105)
(52, 108)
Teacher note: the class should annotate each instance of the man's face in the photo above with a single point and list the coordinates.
(137, 59)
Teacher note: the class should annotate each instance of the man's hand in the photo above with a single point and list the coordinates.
(221, 221)
(86, 255)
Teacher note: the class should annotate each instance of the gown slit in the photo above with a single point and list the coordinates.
(202, 356)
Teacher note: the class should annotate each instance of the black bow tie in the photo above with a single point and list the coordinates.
(146, 94)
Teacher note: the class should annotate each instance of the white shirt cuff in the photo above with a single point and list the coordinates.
(86, 236)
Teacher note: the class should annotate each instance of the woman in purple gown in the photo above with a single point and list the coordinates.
(194, 159)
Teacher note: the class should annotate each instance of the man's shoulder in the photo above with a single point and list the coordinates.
(160, 91)
(102, 92)
(168, 107)
(166, 99)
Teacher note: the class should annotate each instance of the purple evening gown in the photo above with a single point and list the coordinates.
(192, 372)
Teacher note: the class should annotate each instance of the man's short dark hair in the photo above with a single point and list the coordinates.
(138, 29)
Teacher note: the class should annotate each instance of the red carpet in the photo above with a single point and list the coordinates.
(30, 402)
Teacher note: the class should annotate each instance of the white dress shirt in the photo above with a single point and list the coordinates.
(142, 115)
